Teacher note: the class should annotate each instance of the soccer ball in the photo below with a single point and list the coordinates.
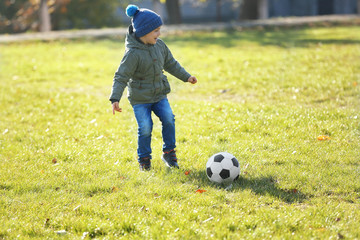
(222, 167)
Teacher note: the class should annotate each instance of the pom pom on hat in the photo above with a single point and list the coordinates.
(143, 20)
(131, 10)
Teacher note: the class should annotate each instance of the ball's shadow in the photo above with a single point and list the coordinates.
(265, 185)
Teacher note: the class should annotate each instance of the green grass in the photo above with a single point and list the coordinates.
(68, 164)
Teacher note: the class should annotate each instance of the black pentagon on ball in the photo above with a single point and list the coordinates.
(218, 158)
(209, 172)
(235, 162)
(224, 174)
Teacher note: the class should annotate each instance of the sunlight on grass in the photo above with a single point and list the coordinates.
(263, 95)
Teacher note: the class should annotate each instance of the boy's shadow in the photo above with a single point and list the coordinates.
(259, 185)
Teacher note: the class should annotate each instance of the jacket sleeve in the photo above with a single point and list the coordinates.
(125, 71)
(173, 67)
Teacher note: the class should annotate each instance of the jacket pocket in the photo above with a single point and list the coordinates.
(166, 85)
(140, 91)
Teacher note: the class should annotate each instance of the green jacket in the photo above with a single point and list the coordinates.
(141, 70)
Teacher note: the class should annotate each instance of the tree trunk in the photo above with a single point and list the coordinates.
(218, 11)
(249, 9)
(44, 17)
(173, 10)
(263, 11)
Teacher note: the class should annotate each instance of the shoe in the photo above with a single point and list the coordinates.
(145, 164)
(170, 159)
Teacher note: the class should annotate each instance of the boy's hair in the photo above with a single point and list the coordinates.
(143, 20)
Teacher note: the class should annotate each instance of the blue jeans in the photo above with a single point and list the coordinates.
(163, 111)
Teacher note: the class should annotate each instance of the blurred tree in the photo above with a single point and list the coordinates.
(44, 17)
(248, 9)
(254, 9)
(16, 16)
(263, 9)
(173, 10)
(22, 15)
(87, 14)
(358, 6)
(218, 11)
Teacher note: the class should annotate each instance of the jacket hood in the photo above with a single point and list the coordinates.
(131, 41)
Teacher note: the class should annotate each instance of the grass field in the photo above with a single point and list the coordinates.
(66, 163)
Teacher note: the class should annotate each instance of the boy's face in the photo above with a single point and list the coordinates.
(151, 37)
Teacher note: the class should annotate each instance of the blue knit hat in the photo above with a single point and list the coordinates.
(143, 20)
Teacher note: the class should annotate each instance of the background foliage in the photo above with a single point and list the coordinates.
(22, 15)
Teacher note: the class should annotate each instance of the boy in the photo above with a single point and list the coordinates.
(141, 70)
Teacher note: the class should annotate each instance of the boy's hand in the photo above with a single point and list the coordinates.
(115, 107)
(192, 80)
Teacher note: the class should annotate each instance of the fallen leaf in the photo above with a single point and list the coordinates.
(200, 191)
(187, 172)
(323, 138)
(292, 190)
(355, 84)
(46, 223)
(54, 160)
(114, 189)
